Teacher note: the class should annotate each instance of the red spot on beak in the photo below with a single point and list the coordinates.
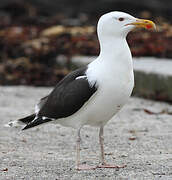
(149, 26)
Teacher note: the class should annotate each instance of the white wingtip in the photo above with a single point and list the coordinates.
(15, 123)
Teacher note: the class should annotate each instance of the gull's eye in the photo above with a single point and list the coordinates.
(121, 19)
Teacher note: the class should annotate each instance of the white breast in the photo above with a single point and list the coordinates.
(115, 84)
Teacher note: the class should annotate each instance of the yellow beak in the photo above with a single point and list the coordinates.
(144, 23)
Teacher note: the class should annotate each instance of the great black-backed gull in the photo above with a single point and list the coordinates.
(93, 94)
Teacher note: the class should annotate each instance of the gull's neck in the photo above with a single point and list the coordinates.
(112, 48)
(114, 59)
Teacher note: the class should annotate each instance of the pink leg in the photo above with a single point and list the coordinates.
(103, 163)
(78, 165)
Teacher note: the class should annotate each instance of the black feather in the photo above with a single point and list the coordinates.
(68, 96)
(28, 119)
(36, 122)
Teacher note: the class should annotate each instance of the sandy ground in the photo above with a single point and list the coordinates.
(134, 138)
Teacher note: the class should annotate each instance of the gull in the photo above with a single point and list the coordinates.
(93, 94)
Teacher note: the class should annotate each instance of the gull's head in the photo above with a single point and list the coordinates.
(120, 23)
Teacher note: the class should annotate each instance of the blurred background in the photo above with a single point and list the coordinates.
(38, 38)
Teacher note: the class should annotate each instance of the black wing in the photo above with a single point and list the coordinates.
(68, 97)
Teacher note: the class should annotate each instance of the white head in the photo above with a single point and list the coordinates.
(119, 24)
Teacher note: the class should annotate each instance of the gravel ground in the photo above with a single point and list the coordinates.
(134, 138)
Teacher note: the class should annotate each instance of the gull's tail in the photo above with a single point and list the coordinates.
(21, 122)
(28, 122)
